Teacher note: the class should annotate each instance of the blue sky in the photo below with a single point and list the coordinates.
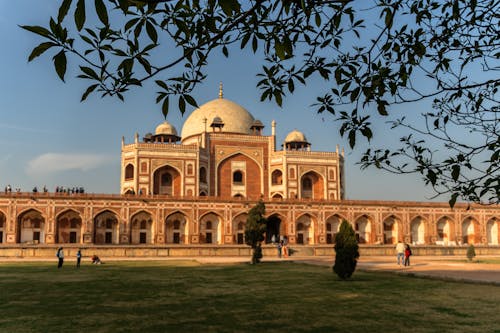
(47, 137)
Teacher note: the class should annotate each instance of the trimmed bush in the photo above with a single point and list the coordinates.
(471, 252)
(346, 251)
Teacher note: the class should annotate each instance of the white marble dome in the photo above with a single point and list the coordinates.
(165, 128)
(295, 136)
(236, 118)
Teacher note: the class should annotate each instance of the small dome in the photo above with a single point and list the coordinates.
(165, 128)
(258, 124)
(296, 136)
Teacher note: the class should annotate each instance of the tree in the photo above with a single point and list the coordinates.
(375, 57)
(471, 252)
(255, 229)
(346, 251)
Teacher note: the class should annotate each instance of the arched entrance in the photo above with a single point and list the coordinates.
(69, 227)
(311, 186)
(332, 225)
(141, 228)
(492, 234)
(31, 227)
(444, 231)
(167, 181)
(274, 226)
(363, 229)
(238, 228)
(210, 229)
(304, 230)
(392, 230)
(176, 228)
(470, 229)
(417, 227)
(3, 227)
(106, 228)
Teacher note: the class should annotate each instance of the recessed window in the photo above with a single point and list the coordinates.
(237, 177)
(129, 171)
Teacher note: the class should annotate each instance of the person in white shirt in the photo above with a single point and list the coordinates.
(400, 252)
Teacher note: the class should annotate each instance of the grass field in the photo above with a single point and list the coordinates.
(270, 297)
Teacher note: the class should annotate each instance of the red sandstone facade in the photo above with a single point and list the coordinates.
(199, 191)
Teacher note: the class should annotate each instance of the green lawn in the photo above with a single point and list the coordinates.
(270, 297)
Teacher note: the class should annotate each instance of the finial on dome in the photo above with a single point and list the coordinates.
(221, 94)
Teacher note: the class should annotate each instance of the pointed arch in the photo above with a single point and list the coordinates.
(69, 227)
(470, 231)
(177, 228)
(211, 228)
(363, 226)
(305, 229)
(233, 176)
(31, 226)
(393, 229)
(332, 225)
(238, 228)
(417, 230)
(106, 227)
(492, 231)
(312, 185)
(141, 227)
(3, 226)
(445, 230)
(167, 180)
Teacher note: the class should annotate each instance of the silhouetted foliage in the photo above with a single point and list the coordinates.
(346, 251)
(255, 229)
(372, 54)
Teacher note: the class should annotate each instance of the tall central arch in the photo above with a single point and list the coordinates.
(167, 181)
(312, 186)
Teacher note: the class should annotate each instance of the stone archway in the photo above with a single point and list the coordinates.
(176, 229)
(106, 228)
(167, 181)
(305, 230)
(332, 226)
(417, 228)
(211, 229)
(311, 186)
(69, 227)
(238, 228)
(141, 228)
(3, 227)
(392, 230)
(445, 231)
(470, 231)
(31, 227)
(363, 229)
(492, 232)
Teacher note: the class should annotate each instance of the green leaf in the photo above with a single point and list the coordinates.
(88, 91)
(102, 12)
(191, 100)
(37, 30)
(63, 10)
(455, 172)
(60, 64)
(453, 199)
(151, 31)
(352, 138)
(80, 14)
(90, 72)
(224, 51)
(164, 107)
(182, 104)
(40, 49)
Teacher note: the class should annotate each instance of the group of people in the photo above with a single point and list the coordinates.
(59, 189)
(281, 246)
(403, 253)
(60, 256)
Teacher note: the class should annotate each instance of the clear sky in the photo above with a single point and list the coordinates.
(47, 137)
